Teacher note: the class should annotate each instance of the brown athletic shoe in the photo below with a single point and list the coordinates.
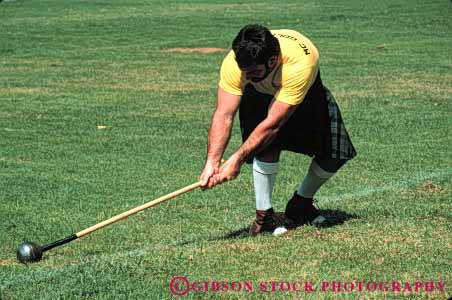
(300, 211)
(266, 221)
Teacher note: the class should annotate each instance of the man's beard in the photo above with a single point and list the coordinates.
(268, 70)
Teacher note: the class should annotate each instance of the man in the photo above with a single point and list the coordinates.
(272, 78)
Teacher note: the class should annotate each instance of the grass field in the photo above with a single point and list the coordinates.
(97, 117)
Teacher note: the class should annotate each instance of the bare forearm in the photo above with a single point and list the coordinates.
(265, 133)
(261, 137)
(219, 134)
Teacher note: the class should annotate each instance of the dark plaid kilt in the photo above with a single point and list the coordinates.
(315, 128)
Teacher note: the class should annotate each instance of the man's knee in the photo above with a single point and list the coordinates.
(269, 155)
(330, 164)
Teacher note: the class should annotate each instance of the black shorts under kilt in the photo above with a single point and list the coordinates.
(315, 128)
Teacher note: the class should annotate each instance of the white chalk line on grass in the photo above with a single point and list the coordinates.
(403, 183)
(46, 273)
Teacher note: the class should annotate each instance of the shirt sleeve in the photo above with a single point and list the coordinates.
(296, 83)
(231, 76)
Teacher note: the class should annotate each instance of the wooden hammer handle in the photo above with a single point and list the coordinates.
(137, 209)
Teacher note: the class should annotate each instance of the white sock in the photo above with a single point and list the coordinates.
(264, 175)
(315, 178)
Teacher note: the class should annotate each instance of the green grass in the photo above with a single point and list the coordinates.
(68, 66)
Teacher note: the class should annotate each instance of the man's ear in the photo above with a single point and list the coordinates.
(272, 61)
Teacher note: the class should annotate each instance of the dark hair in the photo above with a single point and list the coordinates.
(254, 44)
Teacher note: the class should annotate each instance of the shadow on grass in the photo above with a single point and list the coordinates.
(334, 217)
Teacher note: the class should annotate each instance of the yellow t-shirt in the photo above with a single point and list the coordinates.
(292, 76)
